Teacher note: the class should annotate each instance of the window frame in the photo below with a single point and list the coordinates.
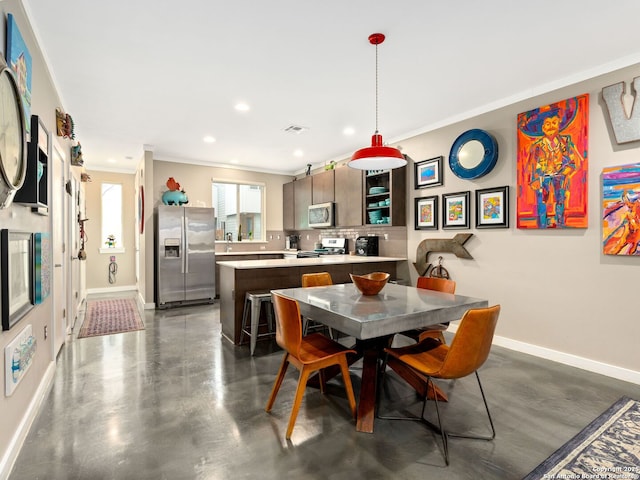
(263, 206)
(103, 235)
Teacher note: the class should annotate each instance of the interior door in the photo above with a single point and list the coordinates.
(73, 277)
(59, 230)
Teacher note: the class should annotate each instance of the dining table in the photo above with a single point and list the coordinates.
(373, 320)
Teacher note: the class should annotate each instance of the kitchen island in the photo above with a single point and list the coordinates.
(241, 276)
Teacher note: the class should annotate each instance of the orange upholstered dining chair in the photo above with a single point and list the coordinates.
(429, 359)
(308, 354)
(433, 331)
(319, 279)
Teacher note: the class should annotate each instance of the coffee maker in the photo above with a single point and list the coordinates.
(367, 246)
(291, 242)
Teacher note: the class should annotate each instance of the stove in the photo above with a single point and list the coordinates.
(333, 246)
(330, 246)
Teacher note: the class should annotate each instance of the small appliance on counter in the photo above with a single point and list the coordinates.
(291, 242)
(367, 246)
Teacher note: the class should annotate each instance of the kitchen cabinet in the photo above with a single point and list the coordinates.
(302, 198)
(323, 187)
(348, 196)
(385, 197)
(35, 189)
(288, 210)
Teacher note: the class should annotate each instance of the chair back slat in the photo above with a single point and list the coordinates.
(439, 284)
(471, 344)
(288, 323)
(319, 279)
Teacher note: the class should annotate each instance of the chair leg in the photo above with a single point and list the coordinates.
(439, 427)
(344, 368)
(445, 435)
(486, 406)
(255, 321)
(278, 382)
(302, 385)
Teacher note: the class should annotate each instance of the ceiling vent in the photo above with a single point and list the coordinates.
(297, 129)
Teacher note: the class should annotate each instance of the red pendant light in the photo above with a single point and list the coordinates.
(377, 156)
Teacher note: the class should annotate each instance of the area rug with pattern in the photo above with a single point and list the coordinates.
(609, 447)
(105, 317)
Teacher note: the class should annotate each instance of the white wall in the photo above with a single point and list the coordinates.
(557, 290)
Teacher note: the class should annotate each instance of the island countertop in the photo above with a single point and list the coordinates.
(306, 262)
(237, 277)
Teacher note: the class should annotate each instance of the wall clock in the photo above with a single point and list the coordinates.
(13, 165)
(473, 154)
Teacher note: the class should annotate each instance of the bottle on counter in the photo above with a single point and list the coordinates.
(240, 233)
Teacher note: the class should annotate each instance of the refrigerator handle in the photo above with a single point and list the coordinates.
(184, 244)
(185, 248)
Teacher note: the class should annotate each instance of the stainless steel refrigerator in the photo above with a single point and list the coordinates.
(185, 256)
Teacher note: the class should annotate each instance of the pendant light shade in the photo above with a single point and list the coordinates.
(377, 156)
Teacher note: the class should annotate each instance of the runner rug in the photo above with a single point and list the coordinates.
(105, 317)
(609, 447)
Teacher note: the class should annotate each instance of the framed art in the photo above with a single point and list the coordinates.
(426, 213)
(620, 209)
(16, 257)
(552, 165)
(428, 173)
(41, 267)
(492, 207)
(19, 59)
(455, 210)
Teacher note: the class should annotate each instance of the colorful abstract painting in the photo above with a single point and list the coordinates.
(19, 60)
(552, 165)
(42, 267)
(621, 210)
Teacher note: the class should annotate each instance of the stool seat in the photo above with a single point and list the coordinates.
(251, 316)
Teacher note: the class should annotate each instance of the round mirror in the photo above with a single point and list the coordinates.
(473, 154)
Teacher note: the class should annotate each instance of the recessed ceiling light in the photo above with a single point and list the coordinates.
(111, 160)
(209, 139)
(242, 107)
(298, 153)
(348, 131)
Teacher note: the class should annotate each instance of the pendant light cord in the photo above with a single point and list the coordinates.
(376, 88)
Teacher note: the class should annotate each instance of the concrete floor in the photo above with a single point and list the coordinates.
(177, 401)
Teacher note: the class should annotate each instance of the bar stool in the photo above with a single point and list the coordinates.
(251, 314)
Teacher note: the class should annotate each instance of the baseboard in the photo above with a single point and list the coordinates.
(15, 445)
(594, 366)
(124, 288)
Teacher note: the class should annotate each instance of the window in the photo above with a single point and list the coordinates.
(239, 211)
(111, 216)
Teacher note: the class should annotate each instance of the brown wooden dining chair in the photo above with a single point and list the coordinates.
(308, 354)
(319, 279)
(432, 331)
(430, 359)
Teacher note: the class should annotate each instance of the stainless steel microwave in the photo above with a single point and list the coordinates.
(321, 215)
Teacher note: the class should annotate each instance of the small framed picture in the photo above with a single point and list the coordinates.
(426, 214)
(492, 207)
(428, 173)
(455, 210)
(16, 257)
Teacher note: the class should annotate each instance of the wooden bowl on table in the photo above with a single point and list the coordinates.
(371, 283)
